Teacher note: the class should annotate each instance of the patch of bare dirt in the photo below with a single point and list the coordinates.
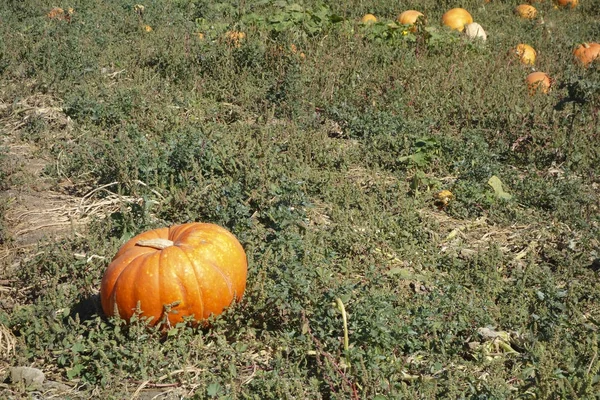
(38, 208)
(28, 203)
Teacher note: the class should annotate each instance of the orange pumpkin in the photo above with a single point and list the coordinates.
(60, 14)
(526, 54)
(567, 3)
(538, 81)
(56, 13)
(586, 53)
(457, 18)
(526, 11)
(409, 17)
(191, 270)
(368, 19)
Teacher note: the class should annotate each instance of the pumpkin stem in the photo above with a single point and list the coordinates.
(159, 244)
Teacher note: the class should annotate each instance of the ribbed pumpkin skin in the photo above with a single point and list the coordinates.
(204, 270)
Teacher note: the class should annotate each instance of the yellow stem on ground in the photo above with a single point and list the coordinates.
(342, 309)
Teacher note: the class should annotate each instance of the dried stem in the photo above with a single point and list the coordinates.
(159, 244)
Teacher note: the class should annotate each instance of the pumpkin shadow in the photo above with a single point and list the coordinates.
(575, 95)
(87, 308)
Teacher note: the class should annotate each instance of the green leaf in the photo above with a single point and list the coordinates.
(213, 389)
(295, 7)
(253, 19)
(74, 372)
(496, 184)
(407, 274)
(78, 347)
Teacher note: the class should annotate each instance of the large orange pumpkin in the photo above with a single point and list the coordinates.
(538, 81)
(526, 11)
(586, 53)
(457, 18)
(191, 270)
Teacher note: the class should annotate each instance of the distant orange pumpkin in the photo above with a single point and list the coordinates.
(586, 53)
(368, 19)
(409, 17)
(456, 19)
(538, 81)
(526, 54)
(60, 14)
(526, 11)
(567, 3)
(235, 38)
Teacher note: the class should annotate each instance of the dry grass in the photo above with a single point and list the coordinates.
(464, 238)
(8, 342)
(33, 212)
(17, 115)
(56, 212)
(364, 178)
(318, 214)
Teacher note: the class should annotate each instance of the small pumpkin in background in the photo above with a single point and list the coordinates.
(457, 18)
(526, 11)
(60, 14)
(567, 3)
(235, 38)
(586, 53)
(294, 50)
(443, 198)
(56, 13)
(192, 270)
(368, 19)
(538, 81)
(475, 31)
(526, 53)
(409, 17)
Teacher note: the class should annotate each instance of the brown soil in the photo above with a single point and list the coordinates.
(35, 207)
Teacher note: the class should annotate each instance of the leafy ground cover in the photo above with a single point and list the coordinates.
(320, 142)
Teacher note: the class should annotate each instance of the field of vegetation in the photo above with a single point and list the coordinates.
(321, 143)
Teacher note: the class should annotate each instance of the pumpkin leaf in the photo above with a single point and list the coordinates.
(213, 389)
(407, 274)
(497, 185)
